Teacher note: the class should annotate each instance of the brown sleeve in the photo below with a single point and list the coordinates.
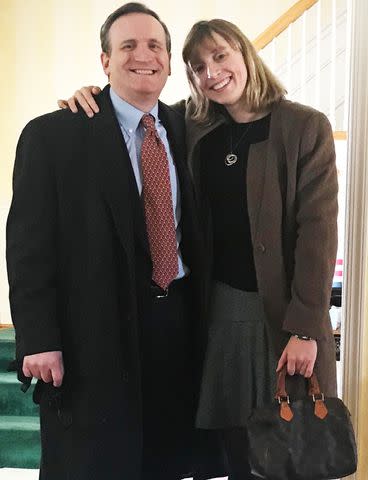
(316, 218)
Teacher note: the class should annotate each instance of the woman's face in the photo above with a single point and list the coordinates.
(219, 71)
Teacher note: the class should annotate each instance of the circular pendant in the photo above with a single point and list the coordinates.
(230, 159)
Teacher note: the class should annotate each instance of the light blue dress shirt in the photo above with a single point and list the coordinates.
(129, 119)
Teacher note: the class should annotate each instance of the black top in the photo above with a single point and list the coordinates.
(226, 189)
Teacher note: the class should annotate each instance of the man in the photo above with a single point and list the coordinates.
(103, 261)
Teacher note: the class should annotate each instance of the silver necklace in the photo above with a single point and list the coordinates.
(231, 157)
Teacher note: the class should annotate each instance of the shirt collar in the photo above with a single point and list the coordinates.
(129, 116)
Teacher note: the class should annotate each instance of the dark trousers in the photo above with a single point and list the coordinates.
(235, 443)
(168, 385)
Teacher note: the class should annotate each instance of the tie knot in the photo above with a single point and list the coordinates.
(148, 121)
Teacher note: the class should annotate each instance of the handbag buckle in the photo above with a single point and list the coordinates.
(320, 396)
(283, 399)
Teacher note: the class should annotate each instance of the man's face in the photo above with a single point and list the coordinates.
(138, 64)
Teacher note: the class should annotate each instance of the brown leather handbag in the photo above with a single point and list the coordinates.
(307, 439)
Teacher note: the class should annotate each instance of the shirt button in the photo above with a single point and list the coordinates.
(261, 248)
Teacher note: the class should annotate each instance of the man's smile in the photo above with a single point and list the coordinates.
(143, 71)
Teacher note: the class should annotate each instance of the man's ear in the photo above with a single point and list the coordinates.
(169, 63)
(105, 61)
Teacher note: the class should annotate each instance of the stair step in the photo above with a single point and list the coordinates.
(7, 353)
(19, 442)
(7, 347)
(12, 400)
(7, 334)
(19, 423)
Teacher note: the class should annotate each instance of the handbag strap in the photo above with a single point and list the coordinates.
(314, 391)
(314, 388)
(282, 396)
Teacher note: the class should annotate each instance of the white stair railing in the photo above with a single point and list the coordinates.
(309, 55)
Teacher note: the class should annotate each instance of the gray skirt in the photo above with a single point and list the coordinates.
(240, 368)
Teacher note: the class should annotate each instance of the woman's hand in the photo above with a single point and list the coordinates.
(299, 356)
(84, 97)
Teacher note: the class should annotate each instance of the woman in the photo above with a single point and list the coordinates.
(264, 171)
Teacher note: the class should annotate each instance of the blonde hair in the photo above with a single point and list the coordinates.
(262, 88)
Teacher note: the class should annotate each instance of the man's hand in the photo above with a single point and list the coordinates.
(46, 366)
(84, 98)
(300, 357)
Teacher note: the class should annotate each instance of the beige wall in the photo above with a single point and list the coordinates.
(51, 47)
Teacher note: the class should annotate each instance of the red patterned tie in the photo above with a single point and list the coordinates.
(158, 206)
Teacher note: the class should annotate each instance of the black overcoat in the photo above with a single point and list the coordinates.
(72, 236)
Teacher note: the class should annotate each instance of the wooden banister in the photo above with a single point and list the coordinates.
(282, 23)
(340, 135)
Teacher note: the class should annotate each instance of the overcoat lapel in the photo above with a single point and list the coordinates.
(116, 175)
(191, 245)
(176, 136)
(174, 126)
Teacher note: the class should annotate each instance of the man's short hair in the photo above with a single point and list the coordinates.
(131, 7)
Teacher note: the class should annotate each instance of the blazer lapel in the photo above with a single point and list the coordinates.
(262, 164)
(256, 170)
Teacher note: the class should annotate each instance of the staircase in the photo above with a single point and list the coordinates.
(308, 50)
(19, 424)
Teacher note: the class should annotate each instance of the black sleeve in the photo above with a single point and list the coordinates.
(179, 107)
(32, 259)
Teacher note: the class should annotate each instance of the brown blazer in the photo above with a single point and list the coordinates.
(292, 205)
